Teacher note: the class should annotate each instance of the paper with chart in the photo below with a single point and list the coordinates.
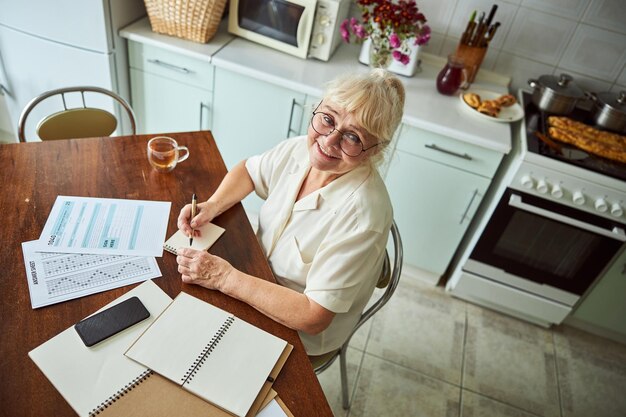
(56, 277)
(105, 226)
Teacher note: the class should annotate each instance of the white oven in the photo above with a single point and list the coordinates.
(554, 224)
(304, 28)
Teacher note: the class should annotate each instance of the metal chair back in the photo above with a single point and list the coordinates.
(80, 122)
(389, 279)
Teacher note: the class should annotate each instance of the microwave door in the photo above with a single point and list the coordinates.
(304, 28)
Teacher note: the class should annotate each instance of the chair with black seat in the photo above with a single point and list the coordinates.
(78, 122)
(389, 278)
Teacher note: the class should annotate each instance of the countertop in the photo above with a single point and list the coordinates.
(424, 108)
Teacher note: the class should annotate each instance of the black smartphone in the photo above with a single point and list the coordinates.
(102, 325)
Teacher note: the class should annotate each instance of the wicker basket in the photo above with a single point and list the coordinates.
(196, 20)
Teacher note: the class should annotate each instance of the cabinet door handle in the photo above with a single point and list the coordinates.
(294, 103)
(458, 155)
(202, 107)
(467, 209)
(170, 66)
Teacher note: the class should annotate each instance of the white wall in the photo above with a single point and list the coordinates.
(584, 38)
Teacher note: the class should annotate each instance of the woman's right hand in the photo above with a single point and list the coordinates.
(205, 212)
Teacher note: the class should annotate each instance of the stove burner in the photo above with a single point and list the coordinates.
(537, 121)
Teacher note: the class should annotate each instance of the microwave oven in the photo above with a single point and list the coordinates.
(304, 28)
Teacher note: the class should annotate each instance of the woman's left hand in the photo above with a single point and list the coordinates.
(202, 268)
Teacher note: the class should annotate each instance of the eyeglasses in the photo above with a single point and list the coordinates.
(349, 143)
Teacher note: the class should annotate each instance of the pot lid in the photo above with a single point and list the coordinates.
(562, 84)
(616, 101)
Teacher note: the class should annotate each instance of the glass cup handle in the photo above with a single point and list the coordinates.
(465, 84)
(185, 156)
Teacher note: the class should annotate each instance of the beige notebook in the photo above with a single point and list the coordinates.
(221, 358)
(209, 233)
(88, 377)
(102, 381)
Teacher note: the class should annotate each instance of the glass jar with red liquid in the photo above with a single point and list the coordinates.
(453, 76)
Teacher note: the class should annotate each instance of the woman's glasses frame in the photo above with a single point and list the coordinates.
(344, 136)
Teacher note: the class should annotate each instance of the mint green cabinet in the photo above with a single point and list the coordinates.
(604, 307)
(169, 92)
(251, 116)
(436, 184)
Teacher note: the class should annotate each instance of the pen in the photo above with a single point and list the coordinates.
(194, 200)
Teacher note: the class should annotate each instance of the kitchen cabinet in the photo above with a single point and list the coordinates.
(251, 116)
(436, 184)
(169, 92)
(604, 309)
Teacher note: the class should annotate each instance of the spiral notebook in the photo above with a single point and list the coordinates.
(88, 377)
(209, 233)
(102, 381)
(221, 358)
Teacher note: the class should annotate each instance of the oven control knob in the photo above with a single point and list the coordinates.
(578, 198)
(527, 181)
(557, 191)
(601, 205)
(616, 210)
(542, 186)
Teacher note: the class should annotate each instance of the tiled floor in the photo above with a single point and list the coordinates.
(428, 354)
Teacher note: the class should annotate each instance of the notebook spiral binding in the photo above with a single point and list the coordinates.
(120, 393)
(170, 249)
(202, 357)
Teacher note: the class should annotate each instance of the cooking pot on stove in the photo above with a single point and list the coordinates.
(609, 110)
(557, 95)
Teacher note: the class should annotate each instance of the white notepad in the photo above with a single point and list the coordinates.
(209, 233)
(88, 377)
(210, 353)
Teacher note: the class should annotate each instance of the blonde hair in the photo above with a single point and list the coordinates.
(376, 99)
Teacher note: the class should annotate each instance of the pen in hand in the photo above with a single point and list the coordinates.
(194, 200)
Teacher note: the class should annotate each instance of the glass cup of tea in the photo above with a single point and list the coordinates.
(164, 153)
(453, 76)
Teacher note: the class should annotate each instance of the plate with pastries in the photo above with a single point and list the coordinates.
(493, 106)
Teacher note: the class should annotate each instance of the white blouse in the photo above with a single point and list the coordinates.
(330, 245)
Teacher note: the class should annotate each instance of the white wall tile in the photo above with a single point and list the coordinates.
(504, 14)
(520, 69)
(438, 13)
(434, 44)
(595, 52)
(617, 88)
(609, 14)
(566, 8)
(585, 82)
(622, 78)
(539, 36)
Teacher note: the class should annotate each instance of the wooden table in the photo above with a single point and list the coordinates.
(34, 174)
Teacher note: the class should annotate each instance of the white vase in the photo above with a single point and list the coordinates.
(396, 67)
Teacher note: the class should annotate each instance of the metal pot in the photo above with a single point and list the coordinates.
(557, 95)
(609, 110)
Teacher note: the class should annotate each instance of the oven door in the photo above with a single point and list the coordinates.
(544, 247)
(281, 24)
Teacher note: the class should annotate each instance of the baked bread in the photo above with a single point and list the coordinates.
(506, 100)
(605, 144)
(472, 100)
(490, 108)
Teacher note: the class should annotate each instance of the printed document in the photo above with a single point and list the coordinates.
(105, 226)
(56, 277)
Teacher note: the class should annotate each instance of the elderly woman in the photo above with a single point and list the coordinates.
(326, 217)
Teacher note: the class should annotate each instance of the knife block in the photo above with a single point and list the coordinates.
(472, 58)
